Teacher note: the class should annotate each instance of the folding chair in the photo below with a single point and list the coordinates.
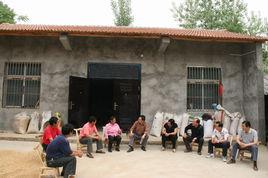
(45, 171)
(79, 146)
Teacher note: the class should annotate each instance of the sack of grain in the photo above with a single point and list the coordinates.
(21, 122)
(157, 124)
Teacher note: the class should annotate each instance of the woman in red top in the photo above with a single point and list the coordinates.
(50, 132)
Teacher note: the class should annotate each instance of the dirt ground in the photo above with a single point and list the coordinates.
(16, 156)
(19, 164)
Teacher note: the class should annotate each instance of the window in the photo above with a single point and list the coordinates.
(202, 87)
(22, 85)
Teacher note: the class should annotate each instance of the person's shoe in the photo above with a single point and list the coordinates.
(100, 151)
(199, 153)
(90, 155)
(117, 149)
(187, 151)
(231, 161)
(130, 149)
(224, 159)
(173, 150)
(163, 148)
(110, 150)
(210, 155)
(143, 148)
(255, 168)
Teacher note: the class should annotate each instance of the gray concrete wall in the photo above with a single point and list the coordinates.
(164, 79)
(253, 98)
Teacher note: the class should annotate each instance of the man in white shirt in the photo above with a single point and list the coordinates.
(219, 140)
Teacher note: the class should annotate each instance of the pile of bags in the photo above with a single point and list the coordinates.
(231, 121)
(161, 118)
(30, 123)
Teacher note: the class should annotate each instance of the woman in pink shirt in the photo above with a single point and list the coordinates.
(112, 133)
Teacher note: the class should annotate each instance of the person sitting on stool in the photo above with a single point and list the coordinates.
(169, 132)
(219, 140)
(193, 133)
(247, 139)
(138, 131)
(112, 133)
(59, 153)
(89, 134)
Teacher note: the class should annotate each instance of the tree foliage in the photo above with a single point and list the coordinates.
(231, 15)
(7, 15)
(122, 12)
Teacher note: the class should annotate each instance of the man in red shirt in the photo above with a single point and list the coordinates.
(89, 134)
(50, 132)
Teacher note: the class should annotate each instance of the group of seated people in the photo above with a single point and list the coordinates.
(59, 153)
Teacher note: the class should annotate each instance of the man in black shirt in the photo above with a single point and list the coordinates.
(169, 132)
(194, 133)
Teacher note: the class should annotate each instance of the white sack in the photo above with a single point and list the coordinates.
(46, 115)
(208, 128)
(227, 122)
(21, 122)
(219, 116)
(235, 123)
(178, 119)
(34, 123)
(184, 123)
(157, 124)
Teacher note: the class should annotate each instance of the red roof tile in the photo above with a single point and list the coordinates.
(187, 34)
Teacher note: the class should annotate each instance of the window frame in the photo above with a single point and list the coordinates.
(203, 82)
(23, 77)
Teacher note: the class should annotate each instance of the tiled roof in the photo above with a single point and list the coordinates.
(187, 34)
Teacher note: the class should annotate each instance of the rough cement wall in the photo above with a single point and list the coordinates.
(253, 88)
(163, 85)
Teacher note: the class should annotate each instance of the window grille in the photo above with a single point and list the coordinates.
(202, 87)
(22, 85)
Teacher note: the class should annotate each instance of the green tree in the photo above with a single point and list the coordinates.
(7, 15)
(231, 15)
(211, 14)
(122, 12)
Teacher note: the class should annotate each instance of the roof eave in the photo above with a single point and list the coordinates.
(128, 35)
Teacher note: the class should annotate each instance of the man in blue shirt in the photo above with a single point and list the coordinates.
(60, 154)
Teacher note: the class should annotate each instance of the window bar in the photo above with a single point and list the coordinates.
(23, 86)
(214, 73)
(202, 90)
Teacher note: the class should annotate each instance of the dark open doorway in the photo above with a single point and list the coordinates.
(110, 89)
(101, 98)
(118, 97)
